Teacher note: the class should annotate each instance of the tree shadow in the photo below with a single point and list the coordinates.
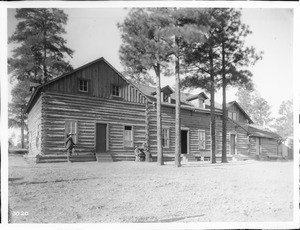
(213, 165)
(175, 219)
(15, 179)
(46, 182)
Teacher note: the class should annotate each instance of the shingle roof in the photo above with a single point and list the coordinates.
(258, 131)
(150, 90)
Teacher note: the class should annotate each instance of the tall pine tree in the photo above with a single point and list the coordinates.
(251, 102)
(41, 48)
(202, 66)
(143, 49)
(236, 58)
(39, 55)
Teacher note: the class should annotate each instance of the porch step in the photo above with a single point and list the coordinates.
(188, 158)
(63, 158)
(104, 157)
(242, 157)
(271, 157)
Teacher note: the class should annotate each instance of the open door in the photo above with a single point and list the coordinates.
(184, 141)
(232, 144)
(101, 138)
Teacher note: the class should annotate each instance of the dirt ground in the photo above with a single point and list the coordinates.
(144, 192)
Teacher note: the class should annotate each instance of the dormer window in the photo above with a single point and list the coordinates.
(115, 91)
(166, 97)
(198, 100)
(201, 104)
(83, 85)
(165, 94)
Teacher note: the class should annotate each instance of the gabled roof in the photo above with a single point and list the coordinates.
(258, 131)
(199, 95)
(240, 108)
(149, 92)
(167, 89)
(38, 88)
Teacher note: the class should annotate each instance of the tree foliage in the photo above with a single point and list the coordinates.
(284, 123)
(152, 39)
(202, 65)
(143, 49)
(255, 106)
(221, 61)
(16, 108)
(39, 56)
(41, 48)
(236, 58)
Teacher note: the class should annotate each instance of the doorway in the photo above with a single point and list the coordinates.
(232, 144)
(258, 145)
(101, 138)
(184, 141)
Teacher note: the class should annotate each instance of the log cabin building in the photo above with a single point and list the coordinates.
(109, 116)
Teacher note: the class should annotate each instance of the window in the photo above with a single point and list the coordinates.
(71, 127)
(166, 97)
(201, 136)
(232, 115)
(83, 85)
(201, 103)
(128, 136)
(165, 137)
(116, 90)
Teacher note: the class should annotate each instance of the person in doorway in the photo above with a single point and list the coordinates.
(69, 145)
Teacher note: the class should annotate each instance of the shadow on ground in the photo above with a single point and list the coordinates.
(45, 182)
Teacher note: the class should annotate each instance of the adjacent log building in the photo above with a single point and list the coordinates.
(109, 116)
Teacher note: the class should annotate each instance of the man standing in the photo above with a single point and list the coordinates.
(69, 145)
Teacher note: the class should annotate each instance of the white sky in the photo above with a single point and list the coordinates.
(93, 33)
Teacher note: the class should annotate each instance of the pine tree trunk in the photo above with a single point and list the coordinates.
(224, 117)
(177, 115)
(160, 160)
(22, 131)
(147, 141)
(45, 56)
(212, 109)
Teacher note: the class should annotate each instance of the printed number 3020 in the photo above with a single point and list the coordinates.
(20, 213)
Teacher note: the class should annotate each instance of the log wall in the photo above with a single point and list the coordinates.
(35, 128)
(252, 148)
(190, 120)
(268, 146)
(242, 139)
(87, 111)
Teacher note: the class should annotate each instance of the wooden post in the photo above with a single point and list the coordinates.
(147, 139)
(177, 111)
(68, 155)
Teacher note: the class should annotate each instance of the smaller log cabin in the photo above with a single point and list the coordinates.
(109, 116)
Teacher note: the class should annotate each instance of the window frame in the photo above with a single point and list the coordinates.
(236, 116)
(87, 85)
(201, 104)
(231, 113)
(167, 129)
(113, 87)
(166, 96)
(75, 136)
(203, 145)
(132, 136)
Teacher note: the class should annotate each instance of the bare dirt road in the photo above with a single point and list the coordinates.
(144, 192)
